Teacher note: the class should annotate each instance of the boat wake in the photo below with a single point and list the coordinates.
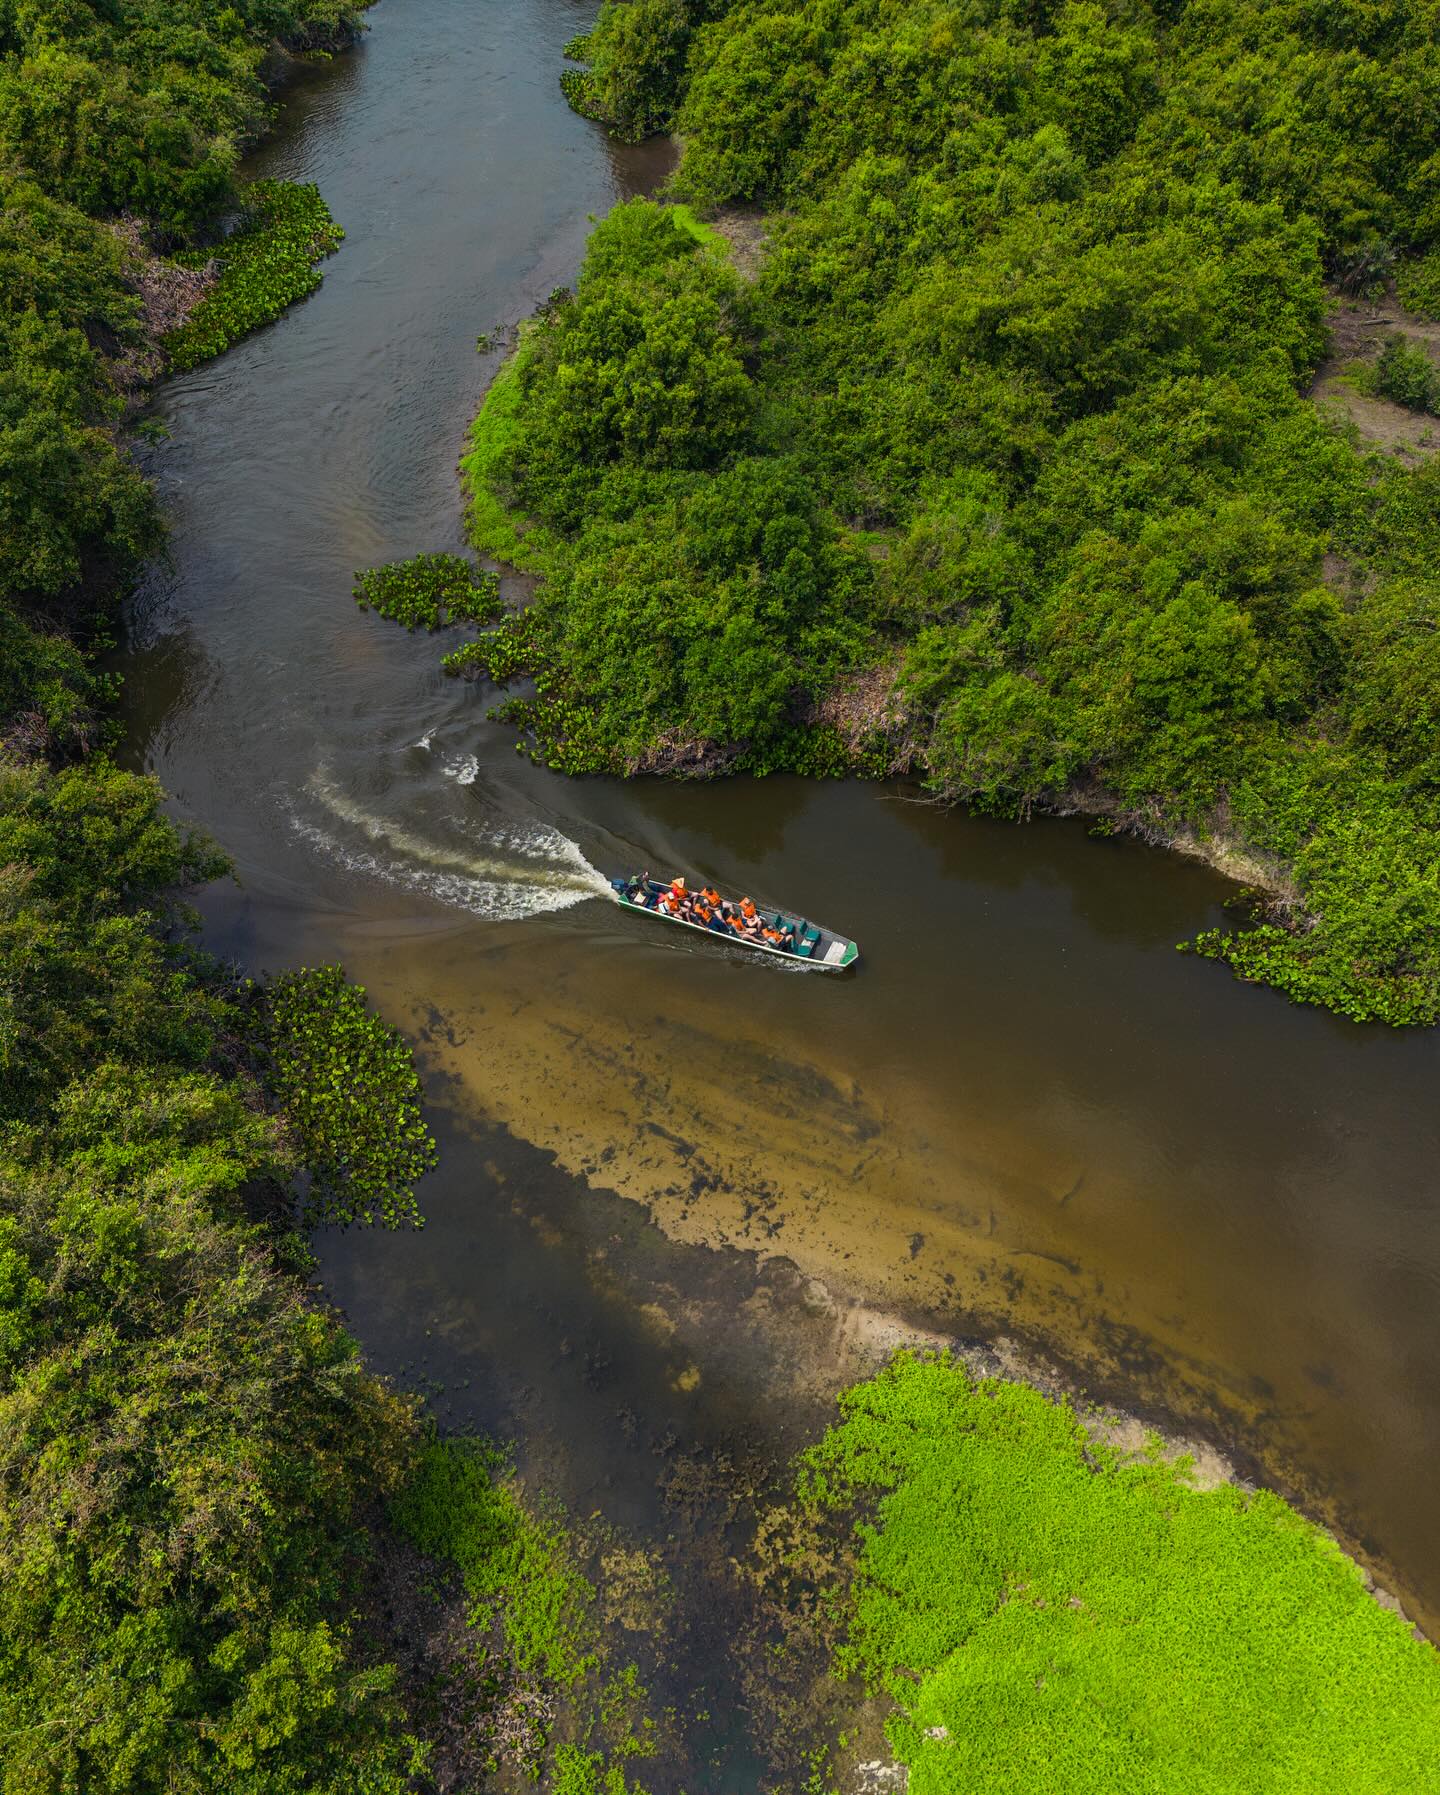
(511, 872)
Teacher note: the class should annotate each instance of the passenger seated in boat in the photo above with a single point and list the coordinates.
(747, 923)
(773, 936)
(712, 898)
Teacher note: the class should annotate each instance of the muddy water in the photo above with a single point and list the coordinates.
(671, 1176)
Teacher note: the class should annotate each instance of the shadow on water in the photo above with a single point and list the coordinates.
(1026, 1111)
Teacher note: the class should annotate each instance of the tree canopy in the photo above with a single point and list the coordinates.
(1028, 348)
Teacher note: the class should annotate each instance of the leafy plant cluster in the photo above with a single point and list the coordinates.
(1404, 373)
(189, 1449)
(522, 1577)
(266, 263)
(1012, 421)
(346, 1083)
(429, 592)
(1045, 1614)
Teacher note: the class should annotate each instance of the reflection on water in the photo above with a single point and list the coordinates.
(1025, 1111)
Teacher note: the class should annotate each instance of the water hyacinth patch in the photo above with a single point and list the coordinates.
(269, 261)
(1047, 1614)
(346, 1083)
(430, 592)
(578, 87)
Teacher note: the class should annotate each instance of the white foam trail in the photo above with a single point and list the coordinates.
(424, 741)
(463, 770)
(520, 871)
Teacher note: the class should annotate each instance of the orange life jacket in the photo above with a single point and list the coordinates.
(747, 909)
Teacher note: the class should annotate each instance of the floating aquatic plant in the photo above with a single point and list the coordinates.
(430, 592)
(268, 262)
(346, 1083)
(578, 87)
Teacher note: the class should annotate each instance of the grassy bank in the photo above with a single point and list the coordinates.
(1044, 1614)
(494, 527)
(1002, 468)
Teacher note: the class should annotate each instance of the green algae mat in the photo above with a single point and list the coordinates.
(1048, 1616)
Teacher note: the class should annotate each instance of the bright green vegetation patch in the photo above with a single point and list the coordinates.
(268, 262)
(346, 1082)
(576, 87)
(429, 592)
(704, 233)
(1002, 467)
(463, 1506)
(521, 1573)
(1049, 1617)
(492, 524)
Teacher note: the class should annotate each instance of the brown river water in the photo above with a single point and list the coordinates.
(663, 1163)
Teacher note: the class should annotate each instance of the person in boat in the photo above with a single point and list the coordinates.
(773, 936)
(712, 898)
(746, 920)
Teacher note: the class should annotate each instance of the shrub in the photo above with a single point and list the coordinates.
(1405, 375)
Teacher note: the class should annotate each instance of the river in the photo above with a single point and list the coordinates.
(1025, 1113)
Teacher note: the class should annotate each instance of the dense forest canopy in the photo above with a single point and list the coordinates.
(189, 1450)
(1002, 467)
(1008, 432)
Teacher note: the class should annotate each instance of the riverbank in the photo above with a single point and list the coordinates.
(191, 1446)
(1067, 598)
(666, 1344)
(1026, 1099)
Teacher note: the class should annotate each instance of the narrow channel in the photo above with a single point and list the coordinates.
(1026, 1113)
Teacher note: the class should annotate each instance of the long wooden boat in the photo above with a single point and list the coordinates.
(821, 950)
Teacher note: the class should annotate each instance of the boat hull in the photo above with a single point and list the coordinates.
(832, 953)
